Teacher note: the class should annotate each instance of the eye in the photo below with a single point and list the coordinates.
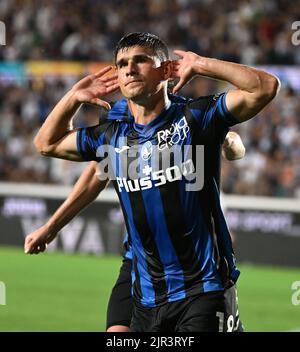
(122, 64)
(140, 59)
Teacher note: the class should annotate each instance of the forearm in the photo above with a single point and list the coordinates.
(243, 77)
(56, 126)
(84, 192)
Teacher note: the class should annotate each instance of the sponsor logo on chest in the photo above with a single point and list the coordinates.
(173, 135)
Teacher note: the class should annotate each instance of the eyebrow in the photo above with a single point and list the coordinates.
(134, 57)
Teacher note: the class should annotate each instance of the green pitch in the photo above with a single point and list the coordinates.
(59, 292)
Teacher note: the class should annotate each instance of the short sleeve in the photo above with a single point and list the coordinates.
(229, 119)
(205, 109)
(89, 140)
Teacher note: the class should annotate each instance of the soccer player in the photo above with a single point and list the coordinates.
(86, 189)
(183, 261)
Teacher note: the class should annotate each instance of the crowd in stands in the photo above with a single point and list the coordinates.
(251, 32)
(271, 165)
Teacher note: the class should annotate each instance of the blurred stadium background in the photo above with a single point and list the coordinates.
(52, 44)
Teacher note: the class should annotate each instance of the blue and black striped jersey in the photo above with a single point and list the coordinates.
(180, 242)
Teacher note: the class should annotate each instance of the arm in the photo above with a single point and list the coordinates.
(84, 192)
(233, 147)
(254, 88)
(54, 138)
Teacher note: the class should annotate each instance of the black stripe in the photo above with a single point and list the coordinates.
(155, 267)
(137, 281)
(223, 267)
(206, 205)
(124, 212)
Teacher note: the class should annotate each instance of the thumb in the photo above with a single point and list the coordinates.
(102, 103)
(28, 245)
(180, 53)
(179, 85)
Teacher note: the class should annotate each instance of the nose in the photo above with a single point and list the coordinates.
(131, 68)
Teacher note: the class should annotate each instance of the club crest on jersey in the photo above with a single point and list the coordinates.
(146, 151)
(173, 135)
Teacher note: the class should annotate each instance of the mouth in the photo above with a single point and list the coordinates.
(134, 81)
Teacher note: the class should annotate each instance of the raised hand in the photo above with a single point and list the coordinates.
(91, 88)
(184, 68)
(37, 241)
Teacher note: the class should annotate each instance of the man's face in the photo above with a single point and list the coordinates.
(140, 73)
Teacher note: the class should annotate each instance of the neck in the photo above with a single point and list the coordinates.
(146, 111)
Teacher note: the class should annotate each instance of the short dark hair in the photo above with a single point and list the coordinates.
(146, 40)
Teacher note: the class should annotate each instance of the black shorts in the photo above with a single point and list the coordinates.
(119, 310)
(209, 312)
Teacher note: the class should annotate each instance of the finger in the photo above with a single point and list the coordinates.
(42, 247)
(180, 53)
(36, 250)
(111, 83)
(178, 86)
(33, 250)
(28, 245)
(102, 103)
(103, 71)
(108, 78)
(112, 88)
(176, 67)
(84, 80)
(175, 74)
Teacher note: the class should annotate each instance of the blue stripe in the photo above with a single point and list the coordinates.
(198, 116)
(148, 130)
(78, 142)
(224, 112)
(118, 110)
(132, 276)
(81, 144)
(86, 146)
(128, 253)
(212, 284)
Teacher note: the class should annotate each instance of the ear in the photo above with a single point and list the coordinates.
(166, 69)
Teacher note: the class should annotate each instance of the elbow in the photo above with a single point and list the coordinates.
(270, 88)
(39, 145)
(42, 147)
